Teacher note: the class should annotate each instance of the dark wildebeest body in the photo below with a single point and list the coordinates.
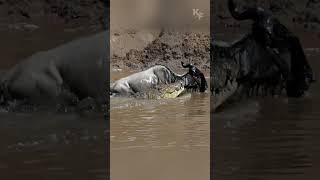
(74, 70)
(242, 67)
(267, 60)
(271, 34)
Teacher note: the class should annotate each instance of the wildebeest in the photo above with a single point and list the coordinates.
(268, 31)
(268, 60)
(150, 78)
(70, 72)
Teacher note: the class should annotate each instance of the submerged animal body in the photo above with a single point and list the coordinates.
(262, 62)
(145, 80)
(70, 72)
(153, 78)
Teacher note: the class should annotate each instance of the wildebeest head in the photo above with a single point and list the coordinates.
(266, 28)
(194, 79)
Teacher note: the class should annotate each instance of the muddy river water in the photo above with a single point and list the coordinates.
(270, 138)
(160, 139)
(47, 145)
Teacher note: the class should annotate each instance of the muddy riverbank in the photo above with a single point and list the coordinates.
(169, 48)
(80, 14)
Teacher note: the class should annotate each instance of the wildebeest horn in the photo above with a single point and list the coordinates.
(250, 13)
(186, 66)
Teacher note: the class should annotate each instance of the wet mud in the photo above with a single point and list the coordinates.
(169, 48)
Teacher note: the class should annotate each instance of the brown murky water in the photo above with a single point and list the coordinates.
(270, 138)
(48, 145)
(160, 139)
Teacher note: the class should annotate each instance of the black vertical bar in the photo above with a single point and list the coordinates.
(211, 98)
(107, 112)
